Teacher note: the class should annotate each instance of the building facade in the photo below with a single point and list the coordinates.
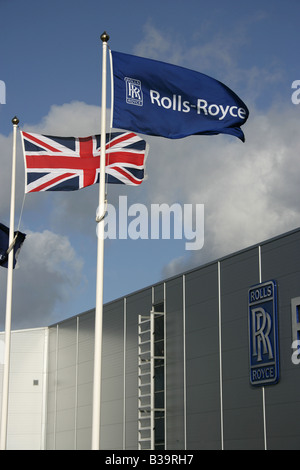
(204, 360)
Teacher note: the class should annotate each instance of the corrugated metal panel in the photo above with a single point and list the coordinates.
(243, 413)
(202, 359)
(175, 406)
(26, 412)
(280, 260)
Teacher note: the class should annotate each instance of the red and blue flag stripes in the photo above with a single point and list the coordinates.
(55, 163)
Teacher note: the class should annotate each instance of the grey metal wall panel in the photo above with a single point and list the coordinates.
(202, 361)
(112, 430)
(112, 403)
(52, 357)
(70, 380)
(51, 395)
(85, 372)
(280, 261)
(66, 385)
(64, 440)
(111, 413)
(84, 422)
(243, 412)
(175, 356)
(158, 291)
(84, 436)
(87, 328)
(136, 304)
(84, 397)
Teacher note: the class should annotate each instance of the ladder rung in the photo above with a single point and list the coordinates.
(143, 332)
(144, 342)
(147, 320)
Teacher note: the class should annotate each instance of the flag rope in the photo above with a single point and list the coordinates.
(21, 213)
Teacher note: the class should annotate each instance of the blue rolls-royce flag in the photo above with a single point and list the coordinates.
(156, 98)
(19, 238)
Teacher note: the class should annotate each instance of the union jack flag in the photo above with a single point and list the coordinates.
(71, 163)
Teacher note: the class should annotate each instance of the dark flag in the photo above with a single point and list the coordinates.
(166, 100)
(19, 238)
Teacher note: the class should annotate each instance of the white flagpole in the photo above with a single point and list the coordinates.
(4, 410)
(100, 264)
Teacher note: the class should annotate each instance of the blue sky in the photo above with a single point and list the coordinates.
(50, 61)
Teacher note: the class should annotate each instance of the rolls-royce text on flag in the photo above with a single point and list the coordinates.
(161, 99)
(71, 163)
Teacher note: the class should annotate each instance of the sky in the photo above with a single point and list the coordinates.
(50, 63)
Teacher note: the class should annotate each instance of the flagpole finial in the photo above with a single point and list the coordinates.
(15, 121)
(104, 37)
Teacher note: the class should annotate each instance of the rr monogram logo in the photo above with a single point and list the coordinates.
(263, 334)
(261, 327)
(134, 94)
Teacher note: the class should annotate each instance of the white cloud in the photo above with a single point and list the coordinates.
(250, 191)
(70, 119)
(220, 54)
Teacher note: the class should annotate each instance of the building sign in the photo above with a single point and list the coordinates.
(263, 334)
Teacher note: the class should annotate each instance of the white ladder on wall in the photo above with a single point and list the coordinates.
(145, 383)
(146, 380)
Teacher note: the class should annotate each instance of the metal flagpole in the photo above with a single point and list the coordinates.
(4, 413)
(100, 263)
